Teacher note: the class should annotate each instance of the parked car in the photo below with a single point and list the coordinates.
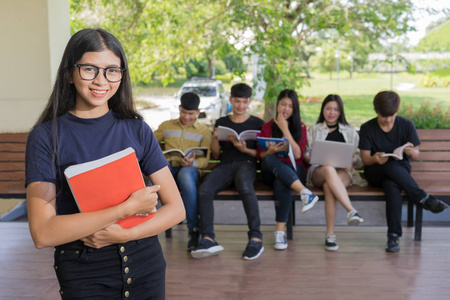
(213, 98)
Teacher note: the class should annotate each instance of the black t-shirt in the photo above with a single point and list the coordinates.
(335, 136)
(229, 152)
(373, 138)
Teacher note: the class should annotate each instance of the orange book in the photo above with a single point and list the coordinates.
(107, 182)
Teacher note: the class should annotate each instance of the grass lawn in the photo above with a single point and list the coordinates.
(358, 93)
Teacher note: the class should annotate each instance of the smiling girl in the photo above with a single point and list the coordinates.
(90, 115)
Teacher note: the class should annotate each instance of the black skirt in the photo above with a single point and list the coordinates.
(134, 270)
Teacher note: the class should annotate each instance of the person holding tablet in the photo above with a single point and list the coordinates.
(279, 171)
(332, 126)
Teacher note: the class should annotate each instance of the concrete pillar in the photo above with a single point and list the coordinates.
(33, 35)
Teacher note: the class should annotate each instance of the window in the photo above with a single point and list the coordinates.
(201, 91)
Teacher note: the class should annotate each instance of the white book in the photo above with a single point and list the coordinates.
(198, 151)
(246, 135)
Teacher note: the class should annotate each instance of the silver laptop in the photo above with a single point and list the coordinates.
(329, 153)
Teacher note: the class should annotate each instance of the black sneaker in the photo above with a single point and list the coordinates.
(434, 205)
(393, 244)
(253, 250)
(194, 237)
(206, 248)
(330, 242)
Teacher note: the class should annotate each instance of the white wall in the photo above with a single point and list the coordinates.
(33, 35)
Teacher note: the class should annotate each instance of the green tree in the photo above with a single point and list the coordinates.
(281, 29)
(158, 35)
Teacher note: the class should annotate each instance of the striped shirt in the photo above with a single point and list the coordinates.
(176, 136)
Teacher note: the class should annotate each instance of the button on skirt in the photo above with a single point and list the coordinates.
(134, 270)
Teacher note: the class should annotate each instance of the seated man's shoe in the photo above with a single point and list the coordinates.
(253, 250)
(434, 205)
(393, 244)
(194, 237)
(206, 248)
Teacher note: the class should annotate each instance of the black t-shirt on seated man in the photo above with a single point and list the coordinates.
(373, 138)
(231, 153)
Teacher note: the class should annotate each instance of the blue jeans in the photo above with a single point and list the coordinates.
(186, 179)
(281, 175)
(394, 176)
(242, 174)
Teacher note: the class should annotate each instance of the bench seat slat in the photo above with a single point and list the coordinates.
(12, 166)
(435, 145)
(434, 156)
(13, 137)
(12, 157)
(431, 166)
(433, 134)
(12, 176)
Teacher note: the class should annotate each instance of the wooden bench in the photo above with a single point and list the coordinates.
(12, 165)
(431, 171)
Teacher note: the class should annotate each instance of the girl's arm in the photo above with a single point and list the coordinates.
(172, 212)
(48, 229)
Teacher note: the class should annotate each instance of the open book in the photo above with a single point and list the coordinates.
(107, 182)
(398, 152)
(264, 143)
(247, 135)
(198, 151)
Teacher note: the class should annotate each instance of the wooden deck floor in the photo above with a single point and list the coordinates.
(359, 270)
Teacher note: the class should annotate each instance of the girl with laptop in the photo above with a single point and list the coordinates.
(332, 126)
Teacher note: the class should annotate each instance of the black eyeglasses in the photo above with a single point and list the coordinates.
(90, 72)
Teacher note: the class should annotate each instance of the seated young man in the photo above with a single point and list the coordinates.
(184, 133)
(238, 166)
(382, 135)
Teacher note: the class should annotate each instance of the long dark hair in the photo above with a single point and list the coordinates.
(63, 96)
(294, 121)
(340, 104)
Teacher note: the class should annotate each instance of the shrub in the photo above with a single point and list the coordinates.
(427, 116)
(438, 78)
(225, 78)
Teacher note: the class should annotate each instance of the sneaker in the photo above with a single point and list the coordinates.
(308, 201)
(280, 241)
(330, 242)
(353, 218)
(434, 205)
(253, 250)
(194, 236)
(393, 244)
(206, 248)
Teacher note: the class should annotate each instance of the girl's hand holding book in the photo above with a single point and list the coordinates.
(142, 202)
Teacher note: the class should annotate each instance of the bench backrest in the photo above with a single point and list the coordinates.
(12, 163)
(434, 159)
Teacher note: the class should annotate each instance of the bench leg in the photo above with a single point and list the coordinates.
(169, 233)
(418, 229)
(290, 222)
(410, 220)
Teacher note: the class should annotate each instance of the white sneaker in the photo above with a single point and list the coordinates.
(353, 218)
(308, 201)
(280, 241)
